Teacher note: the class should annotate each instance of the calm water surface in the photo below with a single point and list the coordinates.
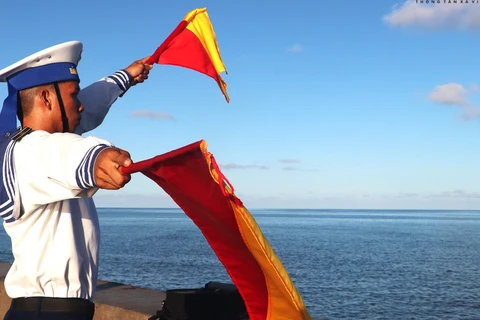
(347, 264)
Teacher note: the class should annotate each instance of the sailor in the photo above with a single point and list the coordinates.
(49, 173)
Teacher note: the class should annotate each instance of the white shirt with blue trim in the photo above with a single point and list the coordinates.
(54, 226)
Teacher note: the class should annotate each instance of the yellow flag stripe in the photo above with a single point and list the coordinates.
(285, 302)
(199, 23)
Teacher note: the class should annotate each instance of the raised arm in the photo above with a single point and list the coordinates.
(98, 97)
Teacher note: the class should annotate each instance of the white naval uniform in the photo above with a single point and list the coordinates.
(53, 224)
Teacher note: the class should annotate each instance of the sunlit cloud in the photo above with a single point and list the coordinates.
(461, 194)
(232, 166)
(296, 48)
(289, 161)
(150, 115)
(435, 15)
(455, 94)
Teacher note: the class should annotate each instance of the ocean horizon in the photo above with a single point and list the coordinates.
(346, 263)
(257, 209)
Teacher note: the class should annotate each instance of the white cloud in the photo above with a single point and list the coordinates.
(290, 168)
(474, 88)
(442, 15)
(150, 115)
(450, 93)
(462, 194)
(408, 195)
(230, 166)
(289, 160)
(455, 94)
(296, 48)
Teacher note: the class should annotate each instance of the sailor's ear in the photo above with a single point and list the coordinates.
(45, 95)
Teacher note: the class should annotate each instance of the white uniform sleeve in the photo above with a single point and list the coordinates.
(98, 97)
(54, 167)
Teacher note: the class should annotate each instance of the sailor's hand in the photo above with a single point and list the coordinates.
(107, 169)
(139, 70)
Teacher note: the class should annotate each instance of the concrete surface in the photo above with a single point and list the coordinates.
(113, 300)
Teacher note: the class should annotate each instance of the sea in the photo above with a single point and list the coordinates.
(346, 264)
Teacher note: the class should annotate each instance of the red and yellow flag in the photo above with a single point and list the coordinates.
(193, 45)
(194, 181)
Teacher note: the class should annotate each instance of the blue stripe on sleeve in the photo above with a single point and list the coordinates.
(122, 78)
(8, 191)
(84, 173)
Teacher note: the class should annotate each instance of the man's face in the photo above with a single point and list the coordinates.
(73, 107)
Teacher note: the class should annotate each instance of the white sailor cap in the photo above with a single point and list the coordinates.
(57, 63)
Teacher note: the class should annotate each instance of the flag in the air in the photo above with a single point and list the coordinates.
(191, 177)
(193, 45)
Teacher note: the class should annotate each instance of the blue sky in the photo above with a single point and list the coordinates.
(334, 104)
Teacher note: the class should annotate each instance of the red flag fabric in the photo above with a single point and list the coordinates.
(193, 45)
(192, 178)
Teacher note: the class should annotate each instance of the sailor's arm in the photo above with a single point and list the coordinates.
(55, 167)
(98, 97)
